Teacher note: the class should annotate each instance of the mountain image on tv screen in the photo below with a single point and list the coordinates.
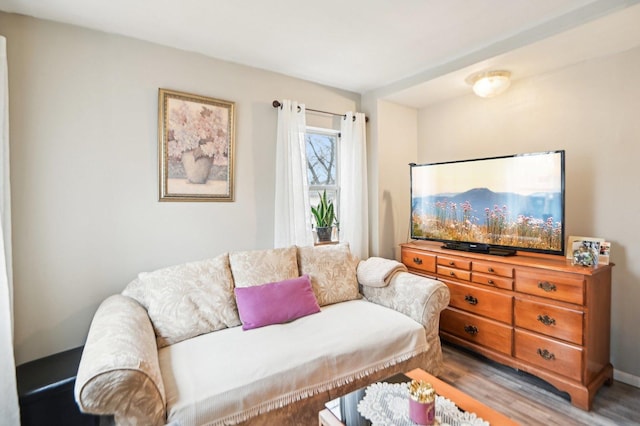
(514, 201)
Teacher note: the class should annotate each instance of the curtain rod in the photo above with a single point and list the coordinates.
(277, 104)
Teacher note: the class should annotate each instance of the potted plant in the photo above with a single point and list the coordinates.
(325, 217)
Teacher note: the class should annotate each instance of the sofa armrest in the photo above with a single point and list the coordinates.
(420, 298)
(119, 373)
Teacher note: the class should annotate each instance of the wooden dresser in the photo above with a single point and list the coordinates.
(536, 313)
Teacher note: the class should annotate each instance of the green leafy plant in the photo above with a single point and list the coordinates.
(324, 213)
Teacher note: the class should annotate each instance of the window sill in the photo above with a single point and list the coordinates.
(325, 243)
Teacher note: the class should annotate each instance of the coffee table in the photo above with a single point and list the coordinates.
(343, 411)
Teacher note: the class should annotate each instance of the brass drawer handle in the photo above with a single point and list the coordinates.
(546, 320)
(453, 274)
(491, 282)
(470, 299)
(471, 329)
(547, 286)
(546, 354)
(490, 269)
(452, 263)
(417, 261)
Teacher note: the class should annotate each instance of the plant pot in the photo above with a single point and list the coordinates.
(324, 233)
(197, 169)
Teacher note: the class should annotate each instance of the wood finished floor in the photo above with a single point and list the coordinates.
(532, 401)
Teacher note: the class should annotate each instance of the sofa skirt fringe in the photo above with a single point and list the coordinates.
(290, 398)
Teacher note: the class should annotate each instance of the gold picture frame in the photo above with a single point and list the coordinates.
(196, 138)
(573, 238)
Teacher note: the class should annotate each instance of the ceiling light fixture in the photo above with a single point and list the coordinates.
(488, 84)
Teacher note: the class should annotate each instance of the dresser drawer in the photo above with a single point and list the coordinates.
(559, 357)
(492, 280)
(493, 269)
(419, 260)
(454, 273)
(478, 330)
(487, 303)
(454, 262)
(565, 287)
(554, 321)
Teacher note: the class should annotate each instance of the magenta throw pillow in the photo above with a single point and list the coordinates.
(276, 303)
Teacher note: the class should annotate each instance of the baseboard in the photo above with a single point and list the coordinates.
(627, 378)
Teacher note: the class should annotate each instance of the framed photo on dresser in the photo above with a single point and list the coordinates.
(572, 239)
(605, 251)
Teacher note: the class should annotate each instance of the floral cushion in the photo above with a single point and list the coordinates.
(332, 270)
(187, 300)
(257, 267)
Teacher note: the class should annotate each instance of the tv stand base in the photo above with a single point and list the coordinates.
(479, 248)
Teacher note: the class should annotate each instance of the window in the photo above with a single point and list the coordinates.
(322, 164)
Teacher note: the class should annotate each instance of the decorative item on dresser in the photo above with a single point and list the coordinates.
(537, 313)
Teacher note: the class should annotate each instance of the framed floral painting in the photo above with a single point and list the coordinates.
(195, 147)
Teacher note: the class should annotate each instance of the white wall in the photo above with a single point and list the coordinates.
(397, 145)
(86, 216)
(591, 111)
(392, 144)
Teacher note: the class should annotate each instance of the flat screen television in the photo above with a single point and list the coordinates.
(496, 205)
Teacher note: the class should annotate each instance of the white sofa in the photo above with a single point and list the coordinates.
(171, 349)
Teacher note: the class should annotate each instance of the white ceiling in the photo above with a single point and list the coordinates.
(616, 32)
(413, 52)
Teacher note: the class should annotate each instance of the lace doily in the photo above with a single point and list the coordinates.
(387, 404)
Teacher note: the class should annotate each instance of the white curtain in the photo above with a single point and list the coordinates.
(354, 203)
(292, 208)
(8, 391)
